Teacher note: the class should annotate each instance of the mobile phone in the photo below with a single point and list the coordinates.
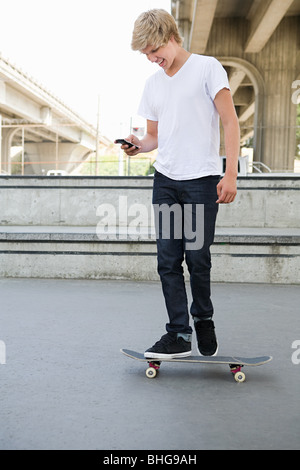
(125, 142)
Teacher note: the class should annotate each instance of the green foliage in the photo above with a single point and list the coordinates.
(109, 166)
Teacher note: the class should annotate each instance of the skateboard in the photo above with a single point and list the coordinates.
(235, 363)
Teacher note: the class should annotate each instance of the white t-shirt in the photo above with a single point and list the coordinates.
(188, 122)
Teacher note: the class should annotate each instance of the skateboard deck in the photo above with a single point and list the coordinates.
(235, 363)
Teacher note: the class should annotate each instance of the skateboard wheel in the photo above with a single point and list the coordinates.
(151, 372)
(239, 377)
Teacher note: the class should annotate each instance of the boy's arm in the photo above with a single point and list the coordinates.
(148, 142)
(227, 187)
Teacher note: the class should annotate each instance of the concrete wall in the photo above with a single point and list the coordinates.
(81, 201)
(96, 228)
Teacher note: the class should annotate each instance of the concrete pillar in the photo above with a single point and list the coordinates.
(278, 61)
(279, 131)
(277, 65)
(7, 136)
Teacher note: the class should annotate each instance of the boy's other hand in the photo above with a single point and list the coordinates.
(226, 190)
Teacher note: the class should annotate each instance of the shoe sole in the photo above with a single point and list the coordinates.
(167, 356)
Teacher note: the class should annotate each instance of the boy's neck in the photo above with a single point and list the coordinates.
(180, 59)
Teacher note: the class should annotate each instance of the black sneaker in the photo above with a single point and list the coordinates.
(206, 338)
(169, 347)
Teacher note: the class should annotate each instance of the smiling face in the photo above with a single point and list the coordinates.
(163, 56)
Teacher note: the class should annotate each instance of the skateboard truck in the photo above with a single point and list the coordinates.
(237, 373)
(153, 368)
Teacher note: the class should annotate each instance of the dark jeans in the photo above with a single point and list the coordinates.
(174, 234)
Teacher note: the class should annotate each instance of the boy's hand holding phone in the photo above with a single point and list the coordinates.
(131, 145)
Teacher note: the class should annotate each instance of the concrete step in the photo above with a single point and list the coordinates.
(260, 255)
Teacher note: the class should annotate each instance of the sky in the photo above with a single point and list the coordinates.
(80, 50)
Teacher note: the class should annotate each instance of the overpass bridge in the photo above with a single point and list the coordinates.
(49, 134)
(257, 41)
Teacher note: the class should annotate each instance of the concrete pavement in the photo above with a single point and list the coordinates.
(65, 384)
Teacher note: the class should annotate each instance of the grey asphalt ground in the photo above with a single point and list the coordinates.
(65, 384)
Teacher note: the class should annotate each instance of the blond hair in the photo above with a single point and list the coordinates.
(155, 28)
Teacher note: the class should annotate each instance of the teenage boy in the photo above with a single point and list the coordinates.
(182, 103)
